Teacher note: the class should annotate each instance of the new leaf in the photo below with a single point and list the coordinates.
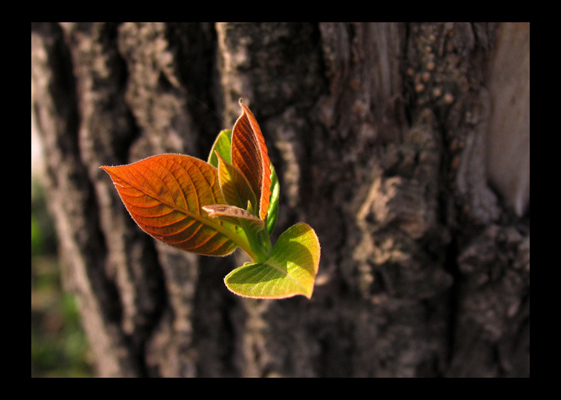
(290, 270)
(250, 156)
(164, 194)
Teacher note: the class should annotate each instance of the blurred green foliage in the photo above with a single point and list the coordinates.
(58, 344)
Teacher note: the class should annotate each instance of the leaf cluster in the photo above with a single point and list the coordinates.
(213, 207)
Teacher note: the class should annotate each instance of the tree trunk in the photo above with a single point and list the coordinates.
(405, 146)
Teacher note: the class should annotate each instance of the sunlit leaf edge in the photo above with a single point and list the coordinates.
(273, 212)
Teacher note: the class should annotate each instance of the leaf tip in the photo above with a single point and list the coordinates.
(110, 170)
(209, 210)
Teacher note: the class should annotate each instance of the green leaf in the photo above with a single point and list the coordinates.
(222, 145)
(290, 270)
(273, 212)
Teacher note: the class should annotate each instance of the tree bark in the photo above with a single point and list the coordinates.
(395, 142)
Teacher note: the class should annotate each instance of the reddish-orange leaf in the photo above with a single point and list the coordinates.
(250, 156)
(165, 194)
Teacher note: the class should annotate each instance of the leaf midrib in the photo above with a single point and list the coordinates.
(276, 265)
(239, 240)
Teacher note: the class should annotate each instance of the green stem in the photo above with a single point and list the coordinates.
(259, 243)
(242, 242)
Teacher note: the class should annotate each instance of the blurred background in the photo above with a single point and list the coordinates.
(58, 345)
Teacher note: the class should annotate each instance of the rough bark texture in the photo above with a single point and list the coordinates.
(379, 133)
